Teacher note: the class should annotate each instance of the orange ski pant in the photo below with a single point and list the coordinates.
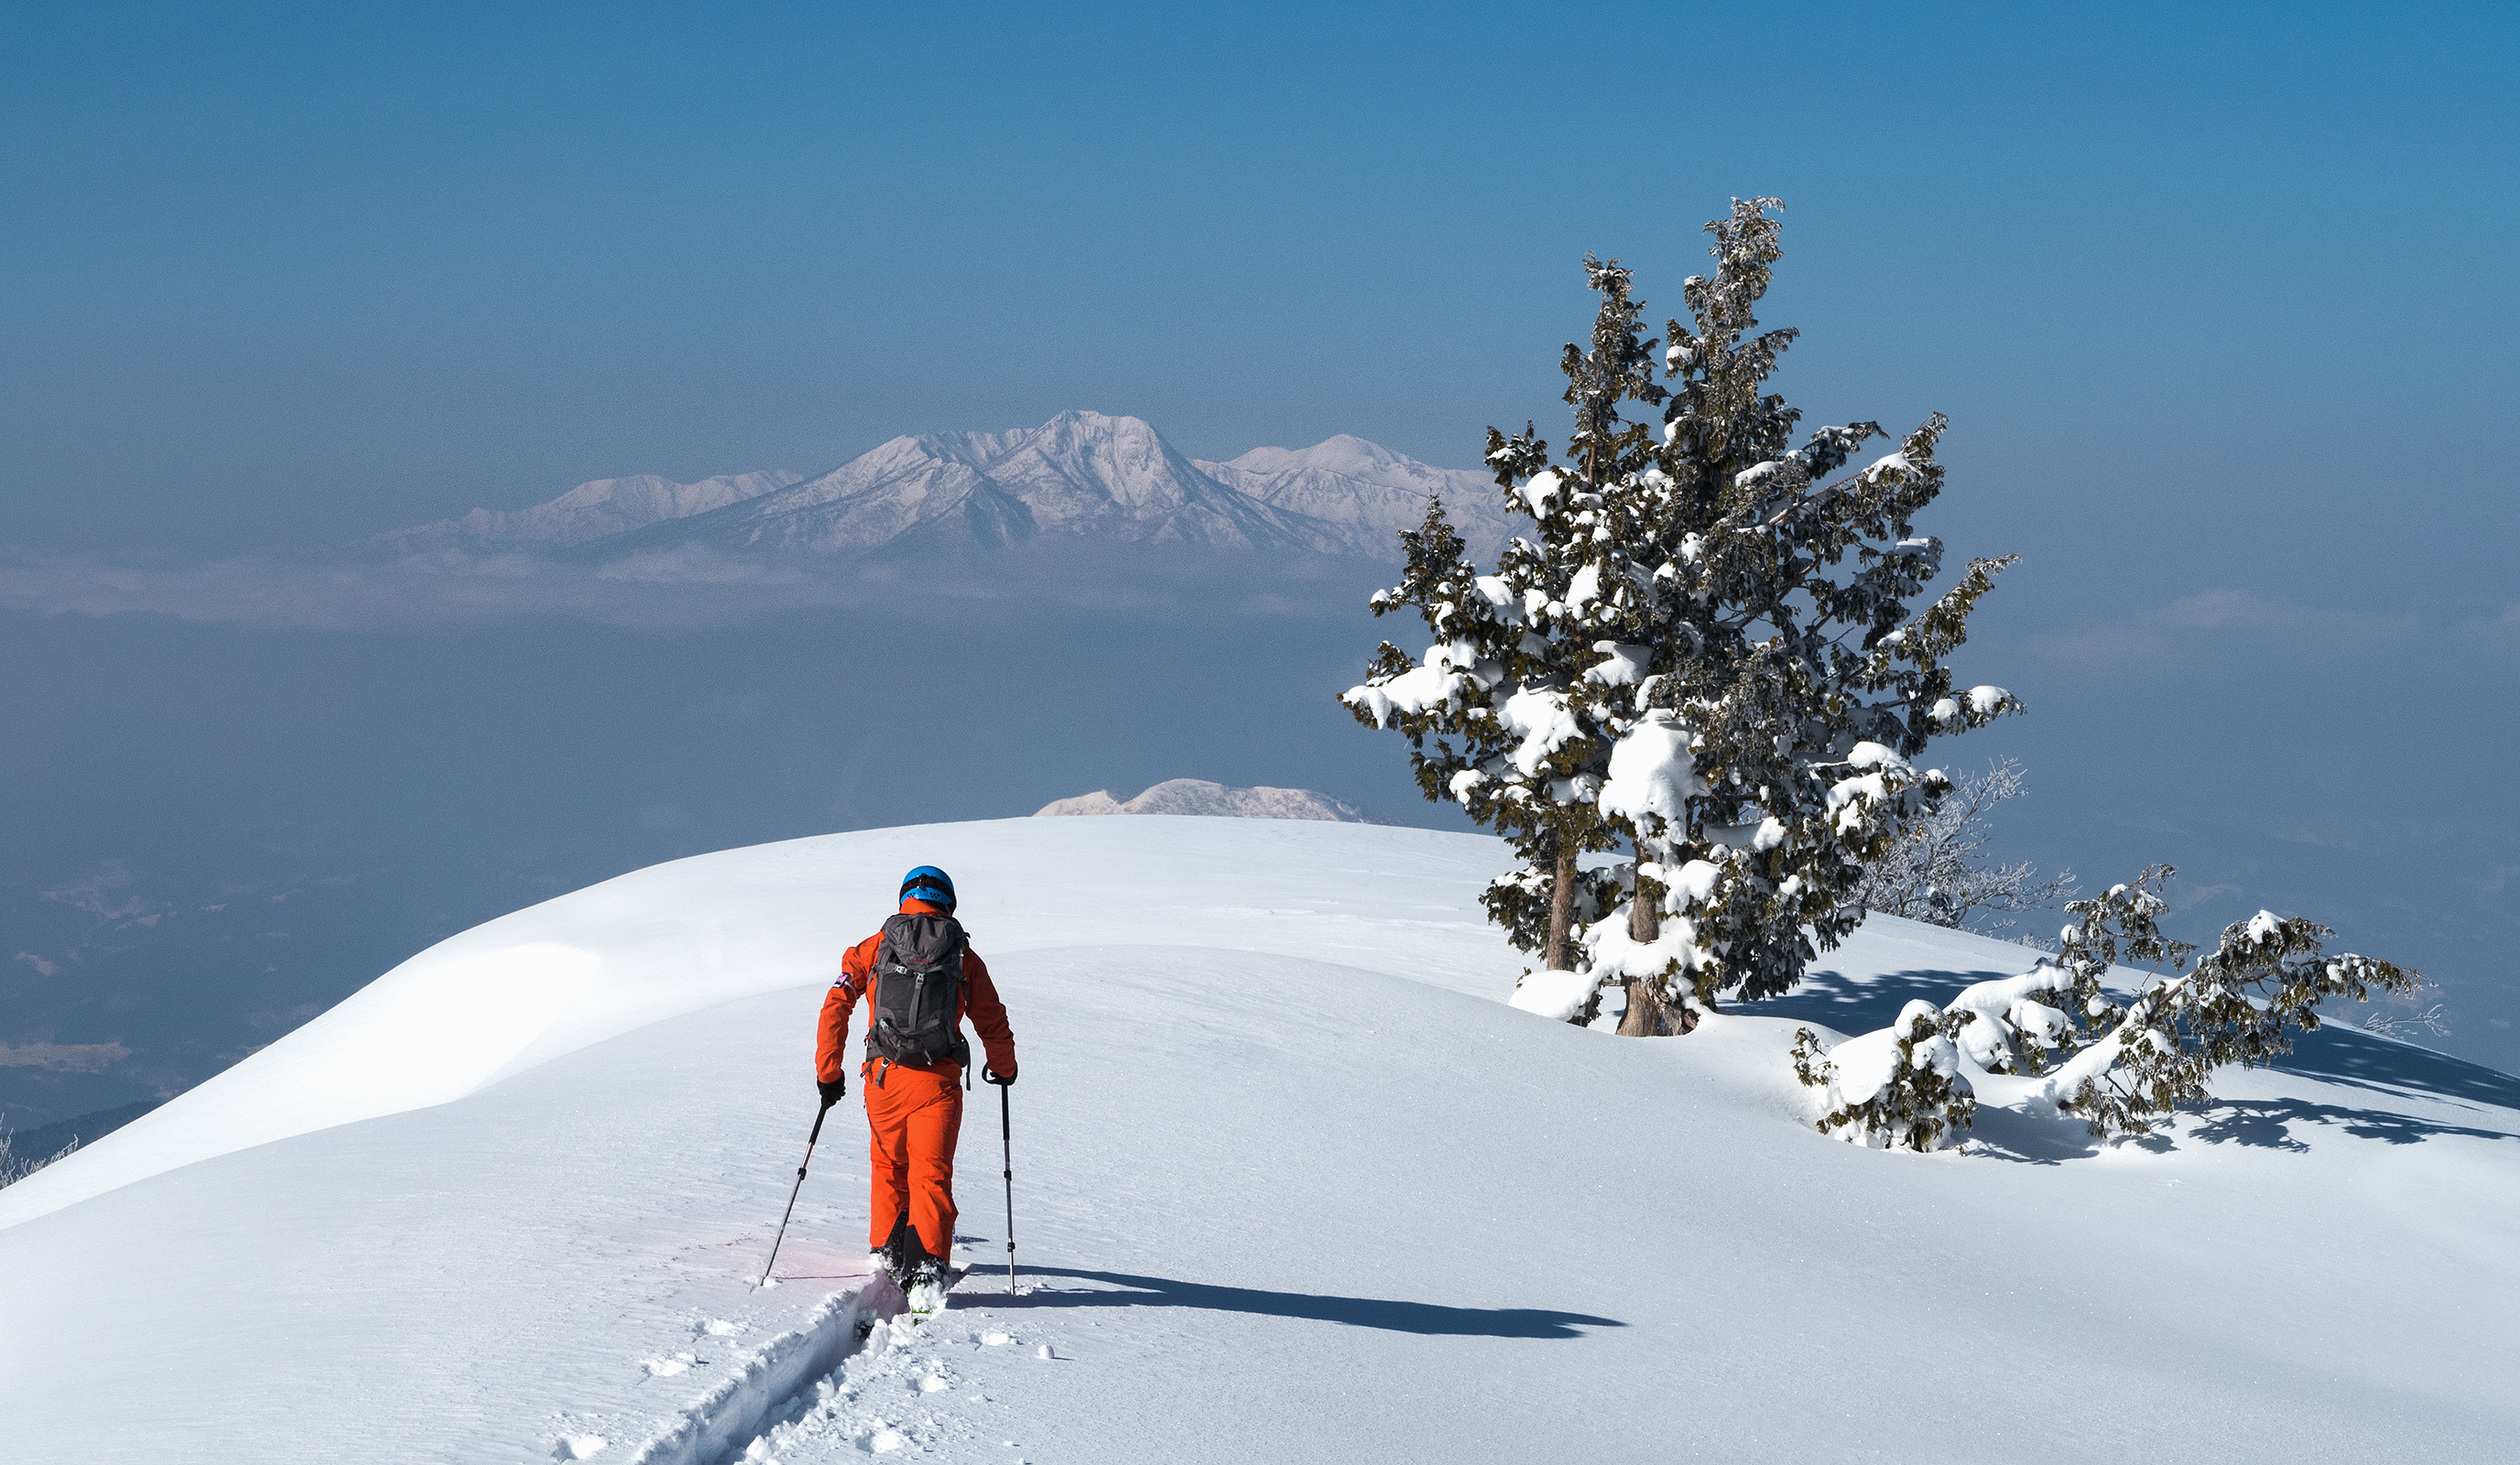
(913, 1116)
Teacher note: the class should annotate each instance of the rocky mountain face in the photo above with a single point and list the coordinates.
(1200, 796)
(1082, 475)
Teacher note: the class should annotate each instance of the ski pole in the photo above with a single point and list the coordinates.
(810, 1141)
(1007, 1131)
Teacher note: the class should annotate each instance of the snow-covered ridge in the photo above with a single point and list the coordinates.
(1081, 475)
(1275, 1127)
(1198, 796)
(519, 992)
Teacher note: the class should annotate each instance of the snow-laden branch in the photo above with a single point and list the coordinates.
(1901, 1087)
(1936, 872)
(2120, 1070)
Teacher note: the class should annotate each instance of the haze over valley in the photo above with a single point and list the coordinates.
(308, 764)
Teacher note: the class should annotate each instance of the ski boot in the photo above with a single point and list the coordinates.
(924, 1290)
(900, 1255)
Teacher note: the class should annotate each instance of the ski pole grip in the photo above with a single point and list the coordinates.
(816, 1137)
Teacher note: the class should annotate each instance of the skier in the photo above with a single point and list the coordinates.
(921, 979)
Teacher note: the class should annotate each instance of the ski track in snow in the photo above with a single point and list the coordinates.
(939, 1388)
(858, 1378)
(773, 1383)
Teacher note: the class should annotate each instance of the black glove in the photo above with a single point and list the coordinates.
(834, 1089)
(1007, 1081)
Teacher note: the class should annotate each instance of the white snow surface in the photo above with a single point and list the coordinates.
(1198, 796)
(1554, 994)
(1292, 1182)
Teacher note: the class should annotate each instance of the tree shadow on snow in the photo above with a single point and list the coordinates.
(1851, 1005)
(2260, 1124)
(1431, 1319)
(2336, 1054)
(2030, 1138)
(2342, 1055)
(2266, 1124)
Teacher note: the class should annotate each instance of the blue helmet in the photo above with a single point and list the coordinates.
(931, 884)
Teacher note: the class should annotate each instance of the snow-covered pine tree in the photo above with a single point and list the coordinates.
(2241, 1003)
(2120, 1069)
(1513, 689)
(1683, 659)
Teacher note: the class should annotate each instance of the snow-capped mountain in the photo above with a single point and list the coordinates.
(1082, 475)
(1198, 796)
(1371, 489)
(598, 510)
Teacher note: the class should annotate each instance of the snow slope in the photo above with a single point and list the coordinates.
(1292, 1183)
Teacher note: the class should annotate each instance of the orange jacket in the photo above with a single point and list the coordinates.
(857, 969)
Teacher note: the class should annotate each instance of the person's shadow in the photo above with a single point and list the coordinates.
(1433, 1319)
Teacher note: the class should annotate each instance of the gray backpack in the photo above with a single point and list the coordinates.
(916, 1002)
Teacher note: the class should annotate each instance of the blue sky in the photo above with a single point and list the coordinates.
(2217, 298)
(303, 271)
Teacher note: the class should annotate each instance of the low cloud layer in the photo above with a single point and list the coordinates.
(2217, 622)
(696, 587)
(685, 588)
(63, 1057)
(689, 586)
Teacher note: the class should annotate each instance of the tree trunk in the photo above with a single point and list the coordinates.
(1685, 1020)
(1645, 1016)
(1645, 911)
(1562, 914)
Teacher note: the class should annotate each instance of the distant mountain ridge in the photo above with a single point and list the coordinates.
(1198, 796)
(593, 510)
(1083, 476)
(1367, 488)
